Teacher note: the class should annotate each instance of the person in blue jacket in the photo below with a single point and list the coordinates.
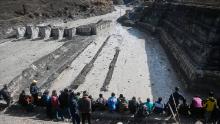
(112, 103)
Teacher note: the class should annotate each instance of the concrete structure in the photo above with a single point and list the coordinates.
(20, 32)
(84, 30)
(100, 26)
(93, 28)
(32, 32)
(45, 32)
(69, 33)
(57, 33)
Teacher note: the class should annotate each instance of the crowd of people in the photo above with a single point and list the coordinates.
(71, 105)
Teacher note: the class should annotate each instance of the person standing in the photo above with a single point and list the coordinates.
(74, 108)
(54, 105)
(34, 90)
(46, 102)
(174, 99)
(85, 108)
(210, 104)
(64, 106)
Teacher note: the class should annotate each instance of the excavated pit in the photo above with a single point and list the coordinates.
(69, 33)
(57, 33)
(45, 32)
(191, 42)
(32, 32)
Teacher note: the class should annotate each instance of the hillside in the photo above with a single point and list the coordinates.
(14, 12)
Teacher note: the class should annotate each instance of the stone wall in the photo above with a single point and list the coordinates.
(191, 35)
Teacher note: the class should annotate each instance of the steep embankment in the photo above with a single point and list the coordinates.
(190, 35)
(15, 12)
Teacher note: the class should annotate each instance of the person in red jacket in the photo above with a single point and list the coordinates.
(54, 104)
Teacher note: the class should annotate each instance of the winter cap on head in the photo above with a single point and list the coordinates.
(34, 81)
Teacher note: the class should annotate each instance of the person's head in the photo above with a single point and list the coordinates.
(113, 94)
(90, 96)
(46, 92)
(160, 99)
(100, 95)
(54, 93)
(211, 94)
(177, 89)
(66, 90)
(22, 92)
(61, 91)
(85, 94)
(5, 86)
(121, 96)
(148, 99)
(72, 93)
(34, 82)
(134, 98)
(78, 93)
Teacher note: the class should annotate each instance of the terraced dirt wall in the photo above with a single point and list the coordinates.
(190, 35)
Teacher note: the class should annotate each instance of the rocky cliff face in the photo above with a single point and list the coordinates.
(118, 2)
(191, 35)
(15, 12)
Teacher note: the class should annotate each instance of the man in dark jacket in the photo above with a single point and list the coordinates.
(64, 104)
(74, 108)
(133, 105)
(34, 90)
(174, 99)
(85, 108)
